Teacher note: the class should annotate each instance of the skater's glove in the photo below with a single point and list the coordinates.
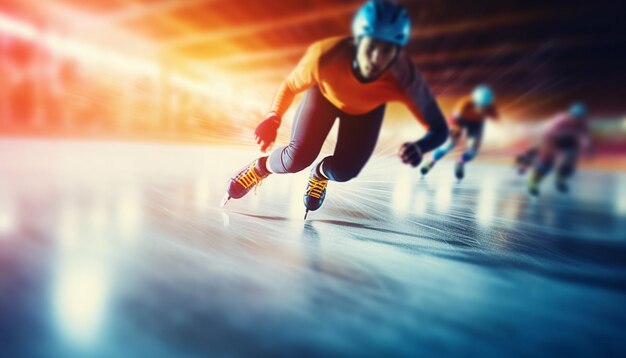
(411, 154)
(265, 133)
(453, 124)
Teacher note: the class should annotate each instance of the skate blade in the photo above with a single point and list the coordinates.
(306, 213)
(225, 199)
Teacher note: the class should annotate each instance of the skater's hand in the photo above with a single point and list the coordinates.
(455, 130)
(411, 154)
(453, 126)
(265, 133)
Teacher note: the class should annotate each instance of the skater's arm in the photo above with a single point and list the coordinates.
(420, 101)
(492, 113)
(430, 116)
(462, 106)
(555, 125)
(301, 78)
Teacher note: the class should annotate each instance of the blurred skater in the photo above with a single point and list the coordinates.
(565, 138)
(469, 118)
(526, 159)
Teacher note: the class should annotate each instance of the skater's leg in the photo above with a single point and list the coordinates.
(474, 139)
(445, 148)
(453, 140)
(312, 123)
(355, 144)
(526, 159)
(311, 126)
(455, 136)
(543, 165)
(566, 168)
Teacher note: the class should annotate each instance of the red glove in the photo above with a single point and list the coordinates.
(411, 154)
(265, 133)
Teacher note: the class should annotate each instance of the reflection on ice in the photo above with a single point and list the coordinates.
(420, 203)
(7, 214)
(128, 213)
(225, 219)
(68, 225)
(620, 202)
(80, 295)
(402, 193)
(139, 251)
(443, 196)
(487, 201)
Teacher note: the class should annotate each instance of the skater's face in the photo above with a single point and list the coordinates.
(374, 56)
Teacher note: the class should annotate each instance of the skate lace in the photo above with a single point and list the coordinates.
(249, 178)
(316, 187)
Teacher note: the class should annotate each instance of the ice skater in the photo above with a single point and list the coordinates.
(469, 117)
(566, 136)
(350, 78)
(526, 159)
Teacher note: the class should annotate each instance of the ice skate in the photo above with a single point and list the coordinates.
(561, 185)
(459, 170)
(521, 164)
(315, 192)
(245, 180)
(533, 186)
(427, 167)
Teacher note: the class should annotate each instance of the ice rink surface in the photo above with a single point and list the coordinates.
(121, 250)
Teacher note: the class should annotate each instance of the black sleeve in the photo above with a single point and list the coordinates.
(418, 92)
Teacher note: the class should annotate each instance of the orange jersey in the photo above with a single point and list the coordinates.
(328, 64)
(466, 110)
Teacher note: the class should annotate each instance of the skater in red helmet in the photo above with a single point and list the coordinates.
(469, 116)
(567, 135)
(350, 78)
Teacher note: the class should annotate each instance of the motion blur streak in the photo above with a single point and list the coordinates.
(121, 121)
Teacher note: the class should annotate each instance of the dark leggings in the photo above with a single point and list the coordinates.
(355, 142)
(474, 138)
(563, 151)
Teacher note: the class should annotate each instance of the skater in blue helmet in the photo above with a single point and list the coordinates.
(350, 78)
(469, 117)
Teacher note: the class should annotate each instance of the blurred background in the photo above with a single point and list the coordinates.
(121, 121)
(206, 70)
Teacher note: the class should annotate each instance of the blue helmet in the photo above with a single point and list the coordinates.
(383, 20)
(578, 110)
(483, 96)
